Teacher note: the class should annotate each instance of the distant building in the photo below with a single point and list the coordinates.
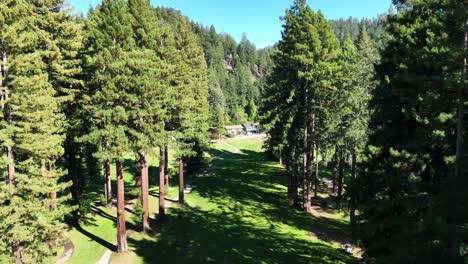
(234, 130)
(251, 128)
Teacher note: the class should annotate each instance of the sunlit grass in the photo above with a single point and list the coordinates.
(237, 213)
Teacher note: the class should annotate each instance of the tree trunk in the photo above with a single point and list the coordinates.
(53, 194)
(17, 253)
(352, 201)
(311, 158)
(305, 182)
(72, 166)
(139, 178)
(73, 175)
(7, 112)
(166, 166)
(316, 181)
(44, 175)
(11, 166)
(290, 176)
(339, 197)
(121, 228)
(334, 162)
(295, 187)
(107, 184)
(145, 191)
(162, 163)
(280, 157)
(181, 181)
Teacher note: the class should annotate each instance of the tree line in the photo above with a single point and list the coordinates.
(79, 94)
(386, 110)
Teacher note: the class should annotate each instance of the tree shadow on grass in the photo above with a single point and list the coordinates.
(196, 236)
(95, 238)
(243, 186)
(251, 180)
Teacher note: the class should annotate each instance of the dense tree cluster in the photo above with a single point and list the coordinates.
(79, 94)
(351, 28)
(316, 98)
(412, 193)
(388, 105)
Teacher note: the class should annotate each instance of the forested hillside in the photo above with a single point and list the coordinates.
(235, 74)
(351, 28)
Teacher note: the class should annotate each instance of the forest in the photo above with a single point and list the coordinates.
(108, 152)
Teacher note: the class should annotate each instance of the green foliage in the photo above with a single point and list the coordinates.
(351, 28)
(39, 68)
(236, 73)
(405, 192)
(301, 83)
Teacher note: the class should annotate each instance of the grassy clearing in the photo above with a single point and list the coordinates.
(238, 213)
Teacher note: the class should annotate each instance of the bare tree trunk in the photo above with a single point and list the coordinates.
(454, 246)
(340, 178)
(17, 253)
(352, 202)
(295, 188)
(53, 195)
(121, 227)
(7, 113)
(290, 172)
(335, 161)
(316, 181)
(311, 148)
(181, 181)
(44, 175)
(166, 166)
(11, 166)
(145, 191)
(107, 184)
(72, 166)
(280, 157)
(162, 163)
(139, 178)
(305, 182)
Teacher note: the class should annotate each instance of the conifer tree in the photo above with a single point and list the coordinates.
(38, 68)
(305, 64)
(413, 139)
(146, 114)
(188, 110)
(110, 59)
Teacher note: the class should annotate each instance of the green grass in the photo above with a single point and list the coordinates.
(97, 230)
(237, 213)
(92, 237)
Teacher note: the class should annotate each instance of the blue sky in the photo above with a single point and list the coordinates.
(259, 19)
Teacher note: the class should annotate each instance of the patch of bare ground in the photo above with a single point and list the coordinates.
(331, 225)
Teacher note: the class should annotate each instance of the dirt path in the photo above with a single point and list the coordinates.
(330, 227)
(68, 252)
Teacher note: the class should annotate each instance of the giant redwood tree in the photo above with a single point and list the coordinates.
(305, 64)
(109, 55)
(36, 72)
